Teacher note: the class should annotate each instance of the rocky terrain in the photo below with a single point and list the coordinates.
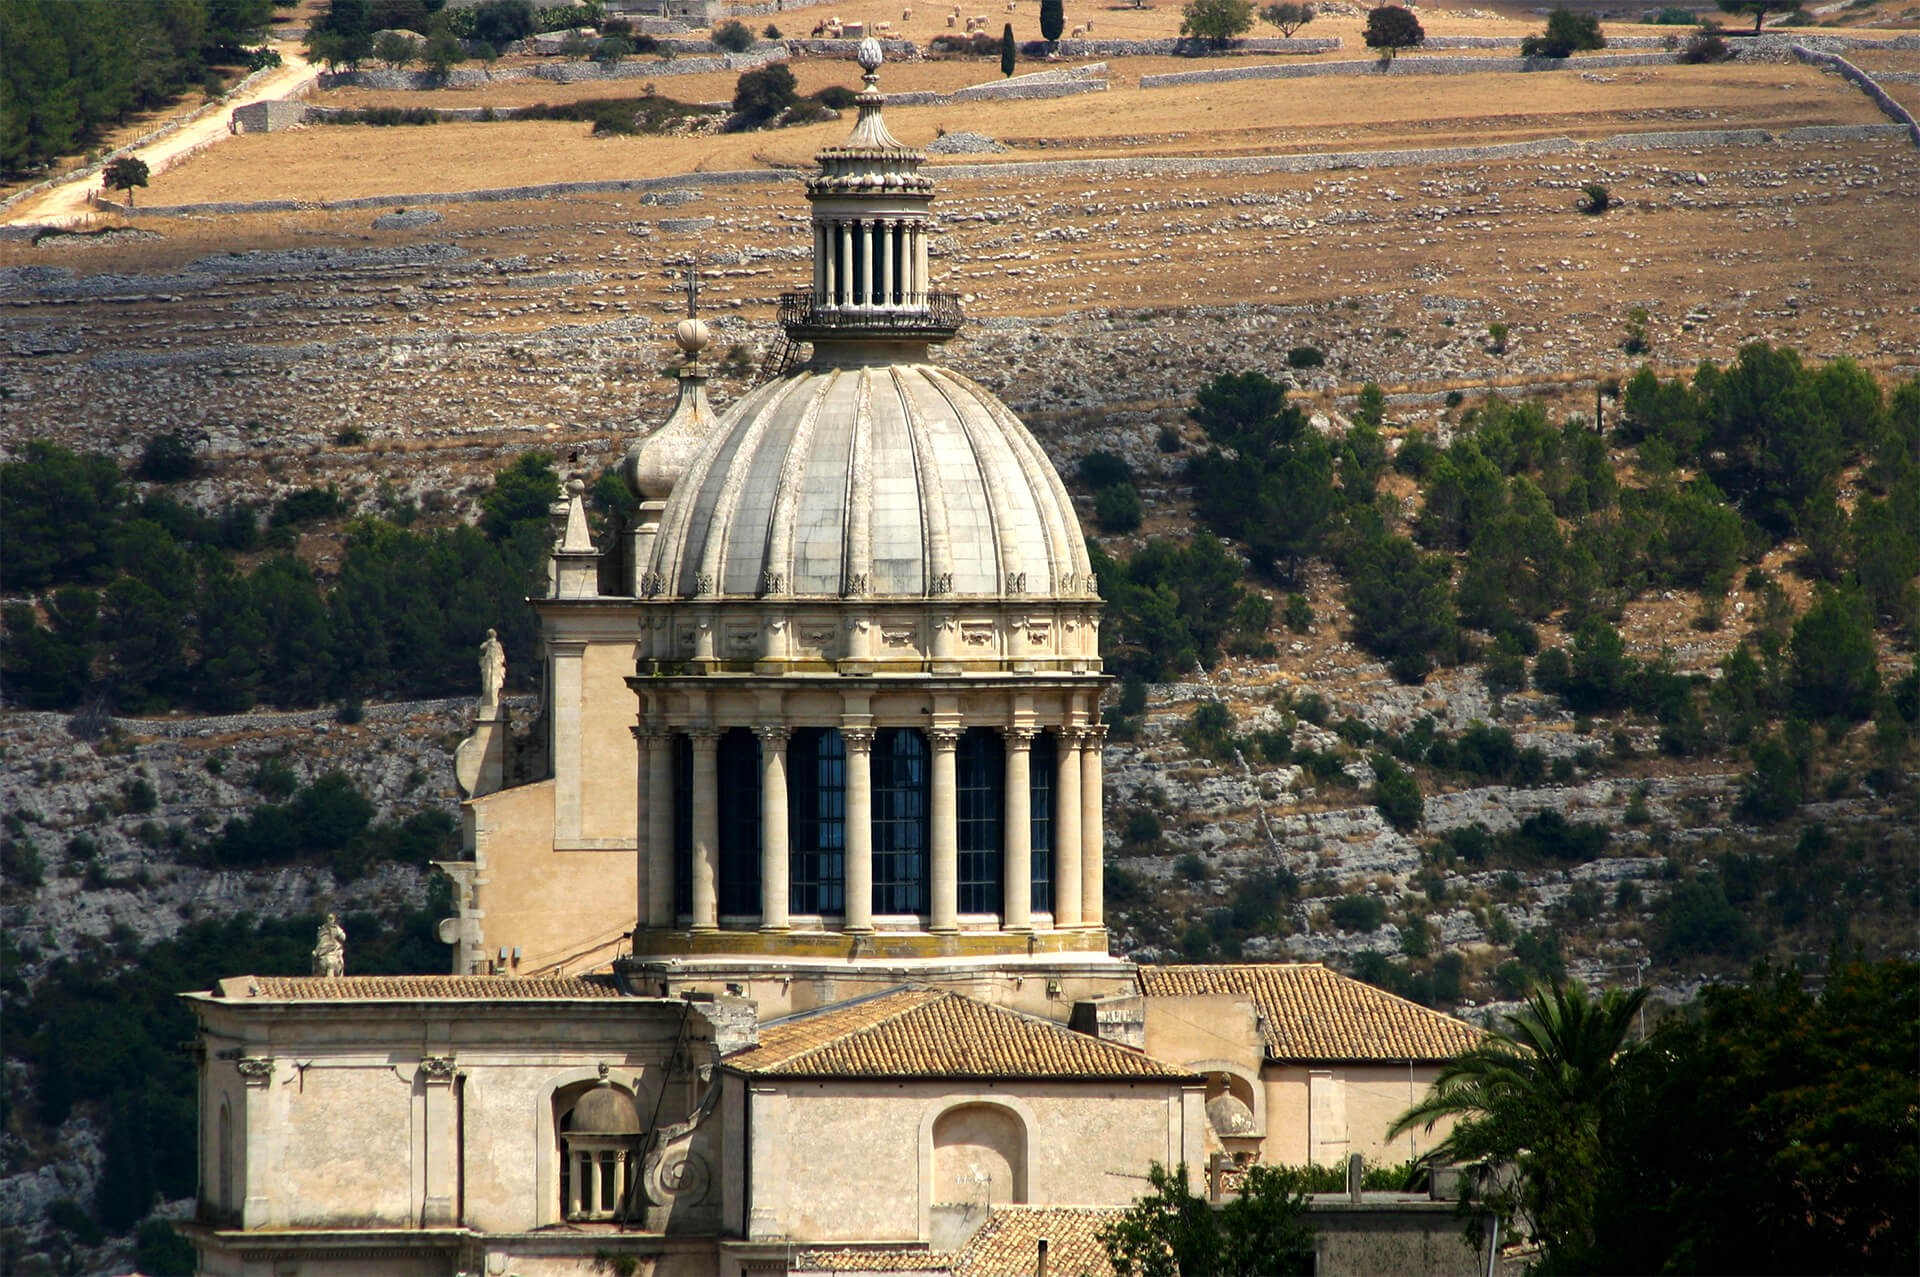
(406, 352)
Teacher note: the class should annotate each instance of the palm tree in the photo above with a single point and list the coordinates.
(1531, 1096)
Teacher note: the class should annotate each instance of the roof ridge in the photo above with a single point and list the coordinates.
(908, 1008)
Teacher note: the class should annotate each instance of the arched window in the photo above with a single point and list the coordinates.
(1042, 764)
(739, 764)
(900, 826)
(682, 823)
(817, 820)
(599, 1129)
(980, 788)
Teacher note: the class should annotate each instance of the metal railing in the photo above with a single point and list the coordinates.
(801, 310)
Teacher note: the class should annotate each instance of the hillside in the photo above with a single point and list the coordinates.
(1641, 822)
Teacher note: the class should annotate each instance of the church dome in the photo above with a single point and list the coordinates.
(1230, 1117)
(606, 1110)
(871, 480)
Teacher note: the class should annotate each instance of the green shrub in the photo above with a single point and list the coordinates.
(1103, 470)
(1357, 913)
(1306, 357)
(733, 36)
(1118, 508)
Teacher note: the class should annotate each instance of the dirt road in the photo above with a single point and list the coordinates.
(67, 203)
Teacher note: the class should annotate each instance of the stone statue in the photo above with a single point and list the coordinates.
(330, 948)
(493, 671)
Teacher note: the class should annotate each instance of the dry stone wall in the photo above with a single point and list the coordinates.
(1404, 65)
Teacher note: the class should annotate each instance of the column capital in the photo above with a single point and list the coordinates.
(704, 735)
(1094, 734)
(944, 738)
(857, 739)
(773, 734)
(1021, 737)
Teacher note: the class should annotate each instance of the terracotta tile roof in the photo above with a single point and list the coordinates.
(1312, 1013)
(931, 1034)
(1006, 1246)
(858, 1263)
(357, 988)
(1008, 1243)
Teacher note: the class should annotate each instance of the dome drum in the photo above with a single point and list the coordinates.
(986, 637)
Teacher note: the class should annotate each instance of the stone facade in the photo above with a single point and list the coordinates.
(770, 928)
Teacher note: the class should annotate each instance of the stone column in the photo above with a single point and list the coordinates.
(920, 270)
(822, 265)
(944, 819)
(1066, 832)
(659, 817)
(1017, 870)
(886, 263)
(1093, 846)
(773, 828)
(706, 830)
(859, 913)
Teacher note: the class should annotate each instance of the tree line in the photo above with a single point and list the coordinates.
(74, 68)
(1522, 520)
(101, 1033)
(144, 604)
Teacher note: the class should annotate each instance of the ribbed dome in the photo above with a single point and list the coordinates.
(870, 481)
(606, 1110)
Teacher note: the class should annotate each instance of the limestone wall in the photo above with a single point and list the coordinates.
(1086, 1143)
(566, 911)
(394, 1115)
(1847, 70)
(1322, 1113)
(1402, 66)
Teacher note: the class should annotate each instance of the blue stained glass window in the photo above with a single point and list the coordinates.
(980, 791)
(1043, 763)
(739, 763)
(817, 820)
(901, 775)
(682, 823)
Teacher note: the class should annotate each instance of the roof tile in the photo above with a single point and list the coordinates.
(1311, 1013)
(359, 988)
(928, 1033)
(1008, 1244)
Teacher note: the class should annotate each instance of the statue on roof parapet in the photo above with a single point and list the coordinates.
(330, 949)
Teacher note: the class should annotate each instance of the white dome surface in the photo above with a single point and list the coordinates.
(874, 481)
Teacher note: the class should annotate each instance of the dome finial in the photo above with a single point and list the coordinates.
(691, 334)
(870, 55)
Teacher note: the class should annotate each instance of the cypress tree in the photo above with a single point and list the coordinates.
(1006, 50)
(1053, 20)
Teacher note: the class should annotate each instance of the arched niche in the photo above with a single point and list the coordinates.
(1228, 1077)
(563, 1090)
(975, 1154)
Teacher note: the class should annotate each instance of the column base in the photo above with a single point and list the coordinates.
(779, 928)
